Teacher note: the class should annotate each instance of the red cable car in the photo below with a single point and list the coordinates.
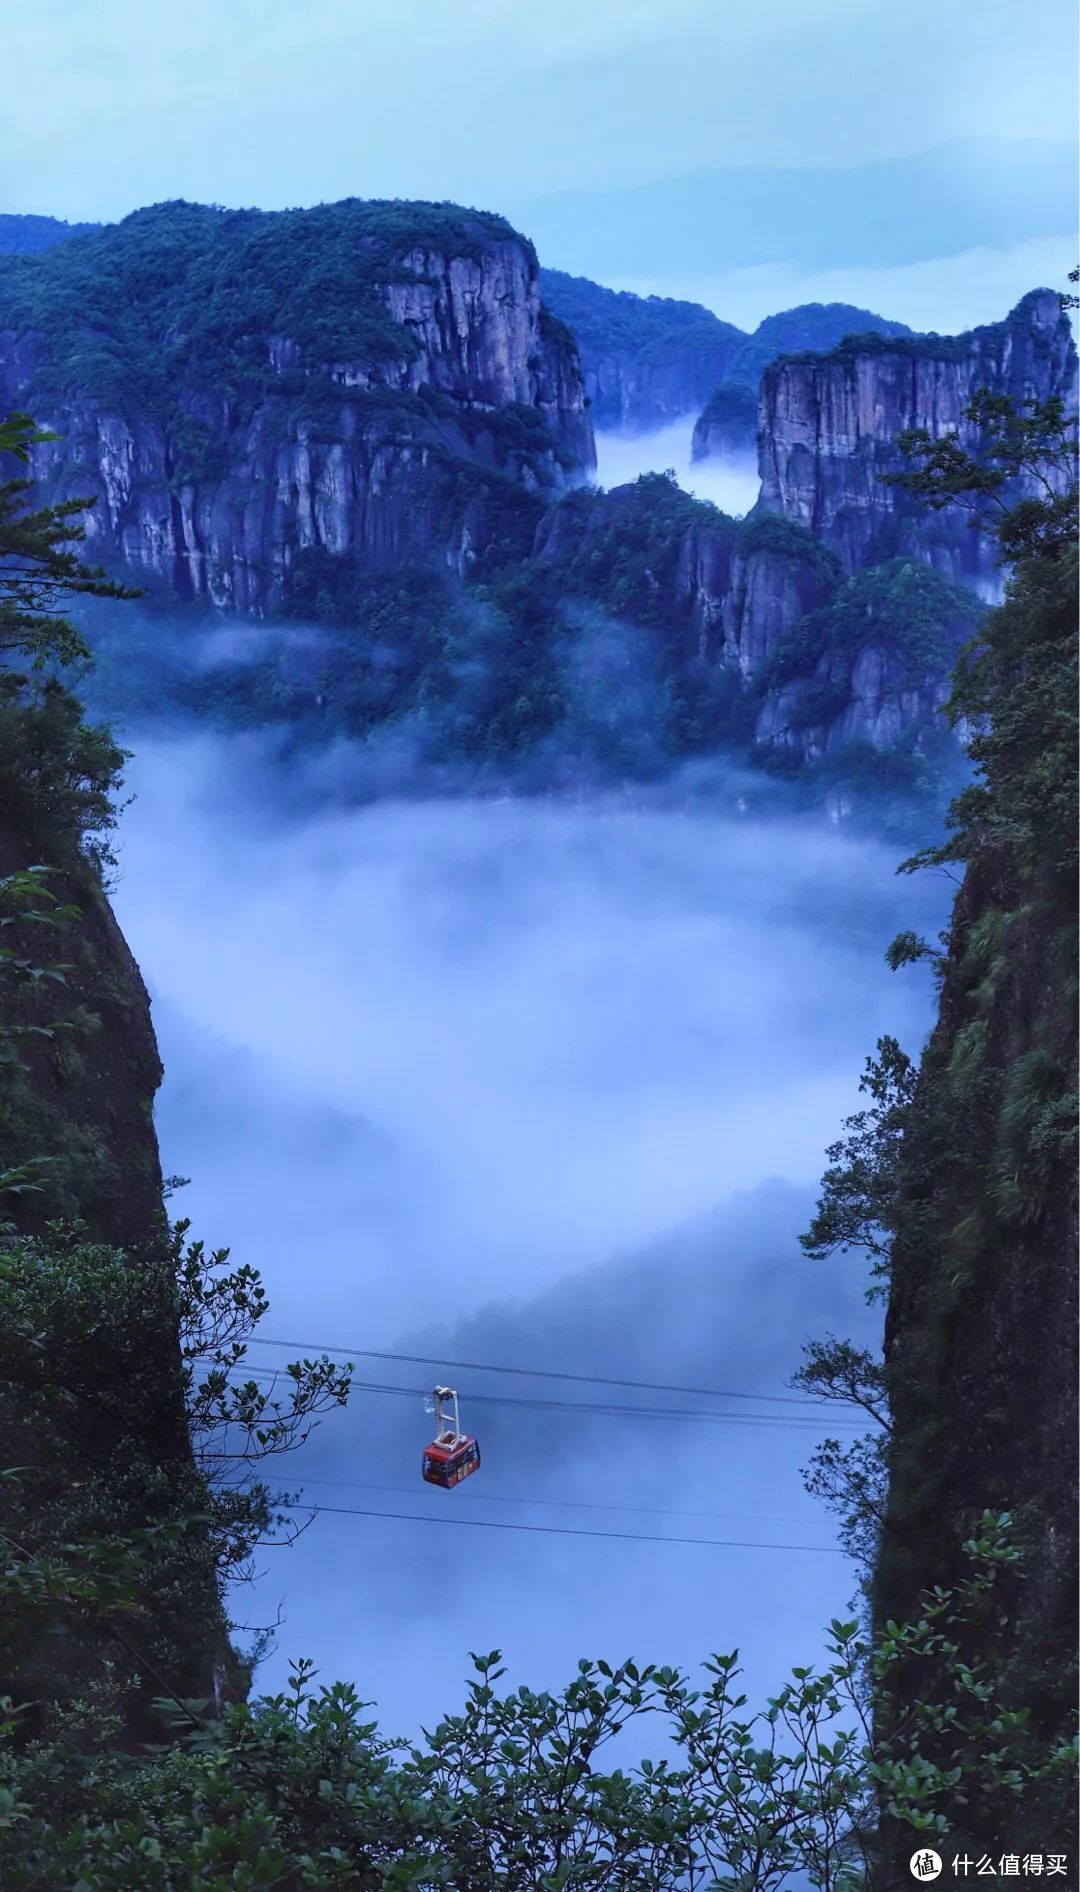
(452, 1454)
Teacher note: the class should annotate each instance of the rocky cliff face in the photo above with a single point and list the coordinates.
(647, 360)
(757, 618)
(362, 383)
(827, 428)
(78, 1114)
(84, 1100)
(728, 592)
(981, 1331)
(982, 1314)
(868, 696)
(745, 595)
(727, 427)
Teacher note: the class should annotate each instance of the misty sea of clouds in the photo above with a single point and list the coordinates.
(541, 1082)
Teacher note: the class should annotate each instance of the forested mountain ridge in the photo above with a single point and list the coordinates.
(232, 386)
(647, 360)
(25, 235)
(364, 417)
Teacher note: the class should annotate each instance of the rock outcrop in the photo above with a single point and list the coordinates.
(746, 594)
(828, 424)
(728, 591)
(647, 360)
(814, 666)
(78, 1122)
(727, 427)
(84, 1102)
(262, 404)
(368, 379)
(867, 696)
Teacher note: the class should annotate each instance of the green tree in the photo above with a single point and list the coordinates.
(1020, 485)
(509, 1794)
(58, 774)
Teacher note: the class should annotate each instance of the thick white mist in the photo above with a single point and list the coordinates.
(733, 485)
(533, 1081)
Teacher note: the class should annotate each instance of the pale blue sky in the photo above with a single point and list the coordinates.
(505, 106)
(489, 101)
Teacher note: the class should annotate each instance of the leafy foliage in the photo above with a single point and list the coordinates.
(25, 234)
(731, 409)
(812, 327)
(506, 1796)
(628, 544)
(960, 1183)
(858, 1200)
(1032, 447)
(40, 569)
(57, 773)
(236, 1423)
(858, 1209)
(1014, 689)
(128, 1370)
(850, 1479)
(584, 660)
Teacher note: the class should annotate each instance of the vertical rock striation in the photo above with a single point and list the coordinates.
(727, 427)
(368, 379)
(828, 424)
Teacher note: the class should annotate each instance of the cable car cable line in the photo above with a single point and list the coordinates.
(562, 1504)
(580, 1408)
(557, 1530)
(544, 1373)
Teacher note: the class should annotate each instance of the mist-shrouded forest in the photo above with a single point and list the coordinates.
(537, 858)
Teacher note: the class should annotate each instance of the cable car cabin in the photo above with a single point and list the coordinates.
(448, 1460)
(452, 1454)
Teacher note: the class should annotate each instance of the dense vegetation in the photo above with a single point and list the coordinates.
(704, 362)
(961, 1179)
(729, 416)
(583, 661)
(904, 605)
(26, 235)
(580, 662)
(876, 337)
(682, 343)
(120, 1343)
(506, 1796)
(179, 293)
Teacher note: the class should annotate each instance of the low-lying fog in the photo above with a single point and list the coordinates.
(731, 484)
(526, 1083)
